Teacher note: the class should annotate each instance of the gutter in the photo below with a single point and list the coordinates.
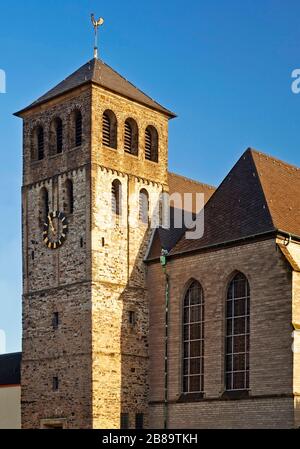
(227, 242)
(163, 262)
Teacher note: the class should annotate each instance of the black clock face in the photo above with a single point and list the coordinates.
(55, 230)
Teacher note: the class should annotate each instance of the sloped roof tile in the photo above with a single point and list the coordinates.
(96, 71)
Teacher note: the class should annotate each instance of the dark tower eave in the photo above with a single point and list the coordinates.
(98, 73)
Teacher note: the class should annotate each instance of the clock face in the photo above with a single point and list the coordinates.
(55, 230)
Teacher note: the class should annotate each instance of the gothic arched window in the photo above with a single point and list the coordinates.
(144, 206)
(109, 129)
(116, 194)
(43, 205)
(131, 136)
(237, 334)
(193, 339)
(69, 199)
(151, 144)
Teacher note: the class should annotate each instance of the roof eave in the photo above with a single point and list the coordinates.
(39, 103)
(164, 111)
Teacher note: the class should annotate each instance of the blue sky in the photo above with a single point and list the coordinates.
(223, 66)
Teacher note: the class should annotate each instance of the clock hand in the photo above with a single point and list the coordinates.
(51, 224)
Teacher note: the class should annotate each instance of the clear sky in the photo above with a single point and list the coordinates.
(224, 66)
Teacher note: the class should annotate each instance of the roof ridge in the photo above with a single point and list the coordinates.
(251, 151)
(192, 180)
(275, 159)
(133, 85)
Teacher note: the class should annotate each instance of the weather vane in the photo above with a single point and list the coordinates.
(96, 25)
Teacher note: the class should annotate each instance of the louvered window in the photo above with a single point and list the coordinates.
(59, 136)
(40, 143)
(78, 129)
(128, 138)
(148, 145)
(106, 131)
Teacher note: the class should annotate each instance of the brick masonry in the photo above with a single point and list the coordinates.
(101, 359)
(272, 371)
(98, 276)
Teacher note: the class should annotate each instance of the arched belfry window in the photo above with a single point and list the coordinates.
(116, 197)
(56, 136)
(193, 339)
(76, 134)
(40, 142)
(144, 206)
(109, 129)
(37, 149)
(59, 135)
(151, 144)
(237, 334)
(131, 136)
(43, 205)
(69, 197)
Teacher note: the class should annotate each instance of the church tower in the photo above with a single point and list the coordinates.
(95, 159)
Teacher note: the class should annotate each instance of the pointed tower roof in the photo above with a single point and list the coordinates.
(259, 195)
(97, 72)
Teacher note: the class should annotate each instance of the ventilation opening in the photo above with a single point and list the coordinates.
(55, 320)
(55, 383)
(59, 136)
(40, 145)
(106, 130)
(148, 145)
(128, 138)
(78, 129)
(131, 317)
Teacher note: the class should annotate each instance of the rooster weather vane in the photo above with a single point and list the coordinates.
(96, 25)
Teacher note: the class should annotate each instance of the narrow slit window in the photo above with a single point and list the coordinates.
(116, 192)
(144, 206)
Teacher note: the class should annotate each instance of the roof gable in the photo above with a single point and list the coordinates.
(96, 71)
(238, 209)
(281, 186)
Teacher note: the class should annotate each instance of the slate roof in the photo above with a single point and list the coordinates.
(167, 238)
(96, 71)
(10, 368)
(181, 184)
(259, 195)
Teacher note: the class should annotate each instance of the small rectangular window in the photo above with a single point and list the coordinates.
(124, 424)
(131, 317)
(139, 421)
(55, 320)
(55, 383)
